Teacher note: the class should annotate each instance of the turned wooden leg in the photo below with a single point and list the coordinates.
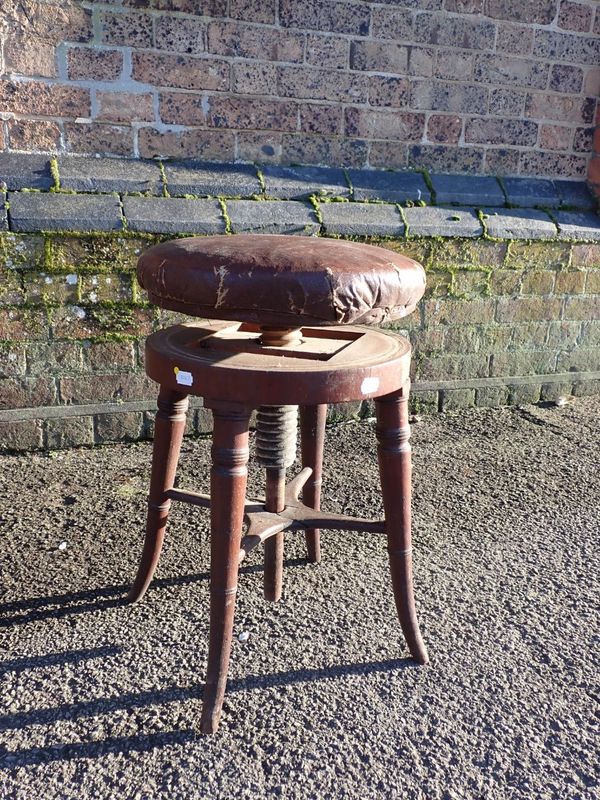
(393, 449)
(273, 562)
(228, 494)
(312, 428)
(168, 433)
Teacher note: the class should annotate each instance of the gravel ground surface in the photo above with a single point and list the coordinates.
(101, 700)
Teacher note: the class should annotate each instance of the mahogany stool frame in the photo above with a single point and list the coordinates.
(225, 363)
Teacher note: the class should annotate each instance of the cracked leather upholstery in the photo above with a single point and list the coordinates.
(281, 280)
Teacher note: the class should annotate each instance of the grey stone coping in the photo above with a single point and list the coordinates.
(173, 215)
(203, 179)
(69, 212)
(83, 174)
(467, 190)
(362, 219)
(272, 216)
(25, 171)
(3, 212)
(514, 223)
(531, 192)
(295, 183)
(434, 221)
(578, 225)
(575, 194)
(395, 187)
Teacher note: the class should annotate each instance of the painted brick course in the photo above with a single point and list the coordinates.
(480, 86)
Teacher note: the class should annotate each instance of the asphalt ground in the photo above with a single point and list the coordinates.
(101, 700)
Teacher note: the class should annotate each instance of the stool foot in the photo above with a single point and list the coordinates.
(228, 490)
(312, 427)
(393, 450)
(168, 433)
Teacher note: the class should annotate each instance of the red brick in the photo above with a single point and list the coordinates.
(583, 255)
(501, 131)
(241, 112)
(320, 118)
(179, 35)
(98, 138)
(265, 147)
(570, 283)
(329, 151)
(591, 84)
(464, 32)
(444, 128)
(379, 56)
(27, 392)
(515, 39)
(21, 325)
(24, 435)
(388, 155)
(126, 28)
(125, 107)
(182, 108)
(540, 11)
(28, 55)
(31, 134)
(501, 161)
(248, 41)
(328, 52)
(89, 63)
(105, 388)
(384, 124)
(586, 139)
(441, 158)
(264, 11)
(583, 308)
(391, 23)
(55, 22)
(565, 78)
(321, 84)
(464, 6)
(454, 65)
(74, 322)
(35, 98)
(392, 92)
(209, 145)
(531, 309)
(546, 162)
(337, 17)
(206, 8)
(556, 137)
(254, 78)
(575, 16)
(184, 72)
(555, 106)
(110, 355)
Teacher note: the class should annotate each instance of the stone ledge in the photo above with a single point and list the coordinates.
(42, 197)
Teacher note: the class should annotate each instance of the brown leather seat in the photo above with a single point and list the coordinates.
(281, 280)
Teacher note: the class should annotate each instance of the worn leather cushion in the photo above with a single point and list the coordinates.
(281, 280)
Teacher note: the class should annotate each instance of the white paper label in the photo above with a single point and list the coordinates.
(183, 378)
(369, 385)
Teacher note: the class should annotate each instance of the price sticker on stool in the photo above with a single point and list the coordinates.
(182, 377)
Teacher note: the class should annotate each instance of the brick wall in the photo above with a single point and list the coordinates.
(502, 322)
(480, 86)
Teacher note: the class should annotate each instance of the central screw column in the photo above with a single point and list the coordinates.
(276, 433)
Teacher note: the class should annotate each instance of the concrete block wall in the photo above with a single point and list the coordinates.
(502, 87)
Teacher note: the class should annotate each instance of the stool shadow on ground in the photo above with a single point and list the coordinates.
(125, 702)
(35, 609)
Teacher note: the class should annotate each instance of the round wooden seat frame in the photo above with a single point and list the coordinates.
(238, 368)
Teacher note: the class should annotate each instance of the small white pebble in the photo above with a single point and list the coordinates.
(244, 636)
(62, 546)
(415, 419)
(561, 401)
